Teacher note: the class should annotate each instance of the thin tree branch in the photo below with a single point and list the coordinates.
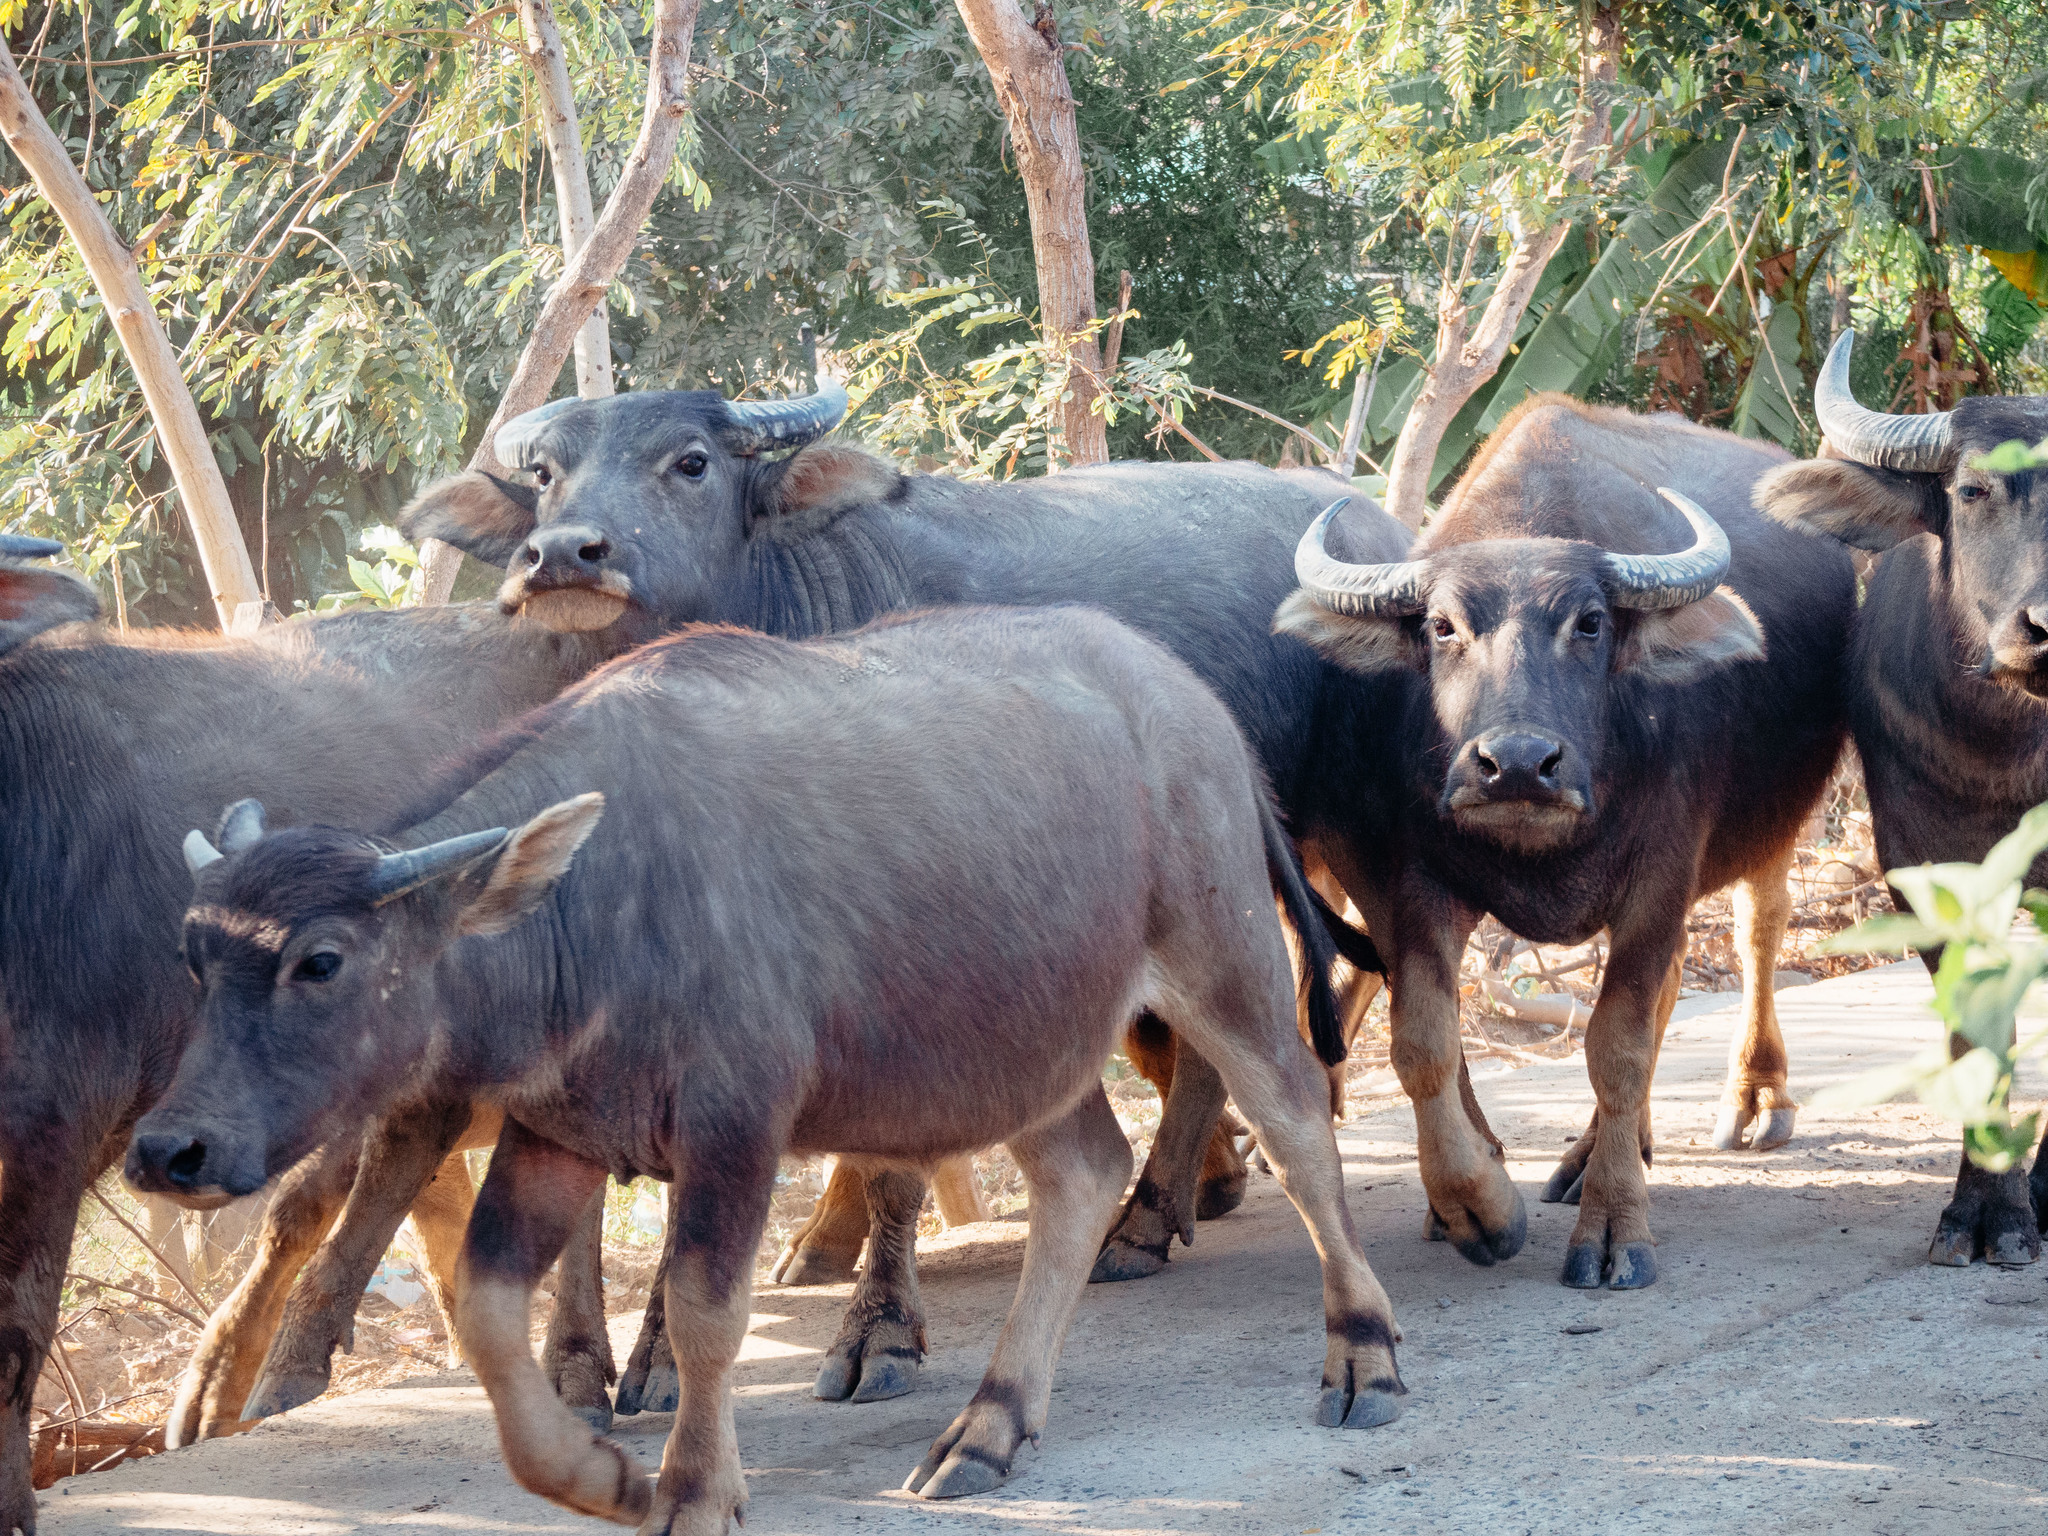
(155, 1252)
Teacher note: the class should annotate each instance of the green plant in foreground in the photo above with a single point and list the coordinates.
(1967, 911)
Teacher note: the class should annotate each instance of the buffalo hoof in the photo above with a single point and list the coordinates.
(1634, 1266)
(872, 1359)
(660, 1390)
(815, 1266)
(1775, 1129)
(1728, 1125)
(1995, 1221)
(1366, 1410)
(1583, 1263)
(1952, 1249)
(959, 1476)
(283, 1393)
(1120, 1260)
(1564, 1184)
(1219, 1197)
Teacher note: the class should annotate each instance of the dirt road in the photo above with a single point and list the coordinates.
(1798, 1366)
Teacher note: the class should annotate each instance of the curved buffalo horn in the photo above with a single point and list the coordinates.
(1391, 591)
(1920, 443)
(754, 426)
(199, 852)
(515, 439)
(20, 546)
(241, 825)
(1671, 581)
(398, 873)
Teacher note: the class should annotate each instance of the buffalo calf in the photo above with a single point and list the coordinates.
(894, 895)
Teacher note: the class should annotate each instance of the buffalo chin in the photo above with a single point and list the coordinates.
(1520, 826)
(571, 610)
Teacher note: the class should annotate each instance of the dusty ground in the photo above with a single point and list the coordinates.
(1797, 1366)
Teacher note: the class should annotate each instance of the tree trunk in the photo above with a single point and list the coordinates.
(1469, 353)
(587, 276)
(230, 579)
(1027, 65)
(572, 181)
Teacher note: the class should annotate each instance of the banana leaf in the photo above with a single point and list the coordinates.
(1764, 409)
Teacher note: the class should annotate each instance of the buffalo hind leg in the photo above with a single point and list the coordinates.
(1219, 1188)
(41, 1184)
(400, 1155)
(650, 1382)
(1757, 1061)
(881, 1343)
(1075, 1169)
(224, 1367)
(1280, 1088)
(530, 1203)
(825, 1249)
(1162, 1202)
(576, 1356)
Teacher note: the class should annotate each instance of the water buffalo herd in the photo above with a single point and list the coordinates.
(783, 802)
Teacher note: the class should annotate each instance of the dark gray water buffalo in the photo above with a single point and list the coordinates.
(106, 746)
(991, 836)
(1593, 731)
(648, 508)
(1947, 670)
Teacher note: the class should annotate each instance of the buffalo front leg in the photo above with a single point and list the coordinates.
(40, 1187)
(1473, 1204)
(721, 1208)
(576, 1357)
(825, 1249)
(530, 1203)
(1567, 1180)
(400, 1155)
(1611, 1239)
(1075, 1168)
(1163, 1201)
(881, 1343)
(231, 1351)
(1757, 1061)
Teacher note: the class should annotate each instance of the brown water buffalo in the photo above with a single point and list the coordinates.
(990, 835)
(1611, 703)
(1947, 670)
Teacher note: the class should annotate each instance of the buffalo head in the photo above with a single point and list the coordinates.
(315, 953)
(1522, 641)
(635, 513)
(1890, 478)
(34, 598)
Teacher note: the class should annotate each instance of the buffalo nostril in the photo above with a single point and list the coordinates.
(590, 554)
(1547, 769)
(183, 1167)
(532, 555)
(1487, 766)
(2031, 628)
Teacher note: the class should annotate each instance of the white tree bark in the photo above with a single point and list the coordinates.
(587, 276)
(202, 492)
(1027, 65)
(1467, 352)
(572, 180)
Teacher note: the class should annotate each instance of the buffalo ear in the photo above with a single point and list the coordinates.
(1682, 645)
(34, 598)
(479, 514)
(498, 897)
(1865, 507)
(810, 488)
(1359, 645)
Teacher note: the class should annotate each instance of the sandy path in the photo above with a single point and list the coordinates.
(1797, 1366)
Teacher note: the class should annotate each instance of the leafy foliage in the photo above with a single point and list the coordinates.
(1967, 911)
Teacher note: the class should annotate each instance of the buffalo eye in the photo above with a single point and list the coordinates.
(1443, 628)
(691, 466)
(318, 966)
(1588, 626)
(1972, 492)
(541, 476)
